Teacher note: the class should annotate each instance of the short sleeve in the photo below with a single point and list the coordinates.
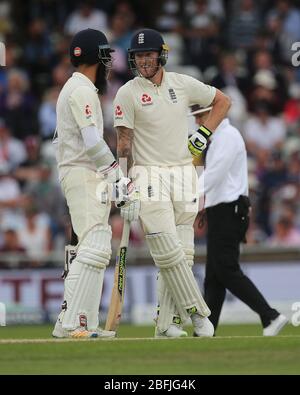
(198, 92)
(124, 109)
(84, 104)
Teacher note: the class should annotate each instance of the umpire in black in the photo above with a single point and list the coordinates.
(225, 183)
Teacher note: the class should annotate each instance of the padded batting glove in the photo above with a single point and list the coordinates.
(124, 192)
(198, 141)
(131, 211)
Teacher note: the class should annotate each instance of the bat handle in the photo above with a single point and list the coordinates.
(125, 234)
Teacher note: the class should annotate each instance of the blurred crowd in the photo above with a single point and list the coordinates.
(242, 47)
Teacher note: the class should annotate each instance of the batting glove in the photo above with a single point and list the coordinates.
(123, 190)
(131, 211)
(198, 141)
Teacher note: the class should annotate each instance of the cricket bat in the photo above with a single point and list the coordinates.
(118, 291)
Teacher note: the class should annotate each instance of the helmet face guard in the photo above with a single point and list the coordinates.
(147, 40)
(162, 57)
(104, 56)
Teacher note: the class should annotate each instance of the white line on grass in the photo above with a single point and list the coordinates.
(30, 341)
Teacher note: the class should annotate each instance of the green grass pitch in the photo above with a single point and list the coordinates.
(237, 349)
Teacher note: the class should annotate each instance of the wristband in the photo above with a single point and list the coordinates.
(204, 131)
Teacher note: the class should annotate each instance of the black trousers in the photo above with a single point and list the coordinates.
(222, 267)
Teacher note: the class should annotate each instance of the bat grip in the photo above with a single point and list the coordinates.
(125, 234)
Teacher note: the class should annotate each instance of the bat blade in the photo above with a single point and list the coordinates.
(117, 296)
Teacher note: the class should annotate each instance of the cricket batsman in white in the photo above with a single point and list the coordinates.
(86, 169)
(151, 121)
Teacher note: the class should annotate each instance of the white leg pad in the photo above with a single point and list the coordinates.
(167, 312)
(168, 255)
(83, 286)
(185, 234)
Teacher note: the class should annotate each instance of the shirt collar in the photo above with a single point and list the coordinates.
(148, 82)
(224, 123)
(85, 78)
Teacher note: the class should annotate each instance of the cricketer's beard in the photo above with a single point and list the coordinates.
(156, 70)
(101, 79)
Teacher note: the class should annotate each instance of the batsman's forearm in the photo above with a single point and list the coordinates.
(125, 153)
(124, 147)
(221, 105)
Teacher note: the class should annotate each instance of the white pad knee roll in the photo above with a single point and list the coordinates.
(165, 249)
(185, 234)
(94, 249)
(168, 255)
(84, 292)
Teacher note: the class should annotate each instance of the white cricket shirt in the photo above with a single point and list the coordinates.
(225, 176)
(78, 107)
(158, 116)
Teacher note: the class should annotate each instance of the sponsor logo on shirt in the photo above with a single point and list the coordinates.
(118, 112)
(88, 111)
(172, 95)
(146, 100)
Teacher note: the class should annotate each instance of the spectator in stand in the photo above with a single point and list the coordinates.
(10, 249)
(18, 105)
(47, 113)
(61, 73)
(12, 202)
(34, 169)
(229, 73)
(36, 179)
(38, 55)
(10, 245)
(231, 79)
(272, 178)
(12, 150)
(285, 235)
(263, 133)
(293, 166)
(292, 106)
(84, 17)
(6, 23)
(244, 25)
(201, 33)
(264, 88)
(267, 83)
(265, 41)
(168, 17)
(214, 7)
(287, 18)
(34, 235)
(121, 28)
